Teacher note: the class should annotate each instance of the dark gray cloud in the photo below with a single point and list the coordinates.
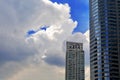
(12, 49)
(55, 59)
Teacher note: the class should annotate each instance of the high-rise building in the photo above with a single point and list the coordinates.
(105, 39)
(74, 61)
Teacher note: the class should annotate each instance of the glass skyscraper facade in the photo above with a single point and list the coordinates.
(74, 61)
(105, 39)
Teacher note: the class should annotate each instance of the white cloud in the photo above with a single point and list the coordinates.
(42, 55)
(87, 35)
(87, 72)
(39, 72)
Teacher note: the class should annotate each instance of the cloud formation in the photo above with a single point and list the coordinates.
(41, 53)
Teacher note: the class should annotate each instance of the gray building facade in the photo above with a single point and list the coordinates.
(74, 61)
(105, 39)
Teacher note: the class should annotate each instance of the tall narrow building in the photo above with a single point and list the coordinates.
(74, 61)
(105, 39)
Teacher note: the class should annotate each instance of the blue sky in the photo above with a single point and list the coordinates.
(79, 12)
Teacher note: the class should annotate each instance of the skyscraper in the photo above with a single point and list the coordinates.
(74, 61)
(105, 39)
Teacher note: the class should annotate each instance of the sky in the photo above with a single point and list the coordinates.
(33, 34)
(79, 10)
